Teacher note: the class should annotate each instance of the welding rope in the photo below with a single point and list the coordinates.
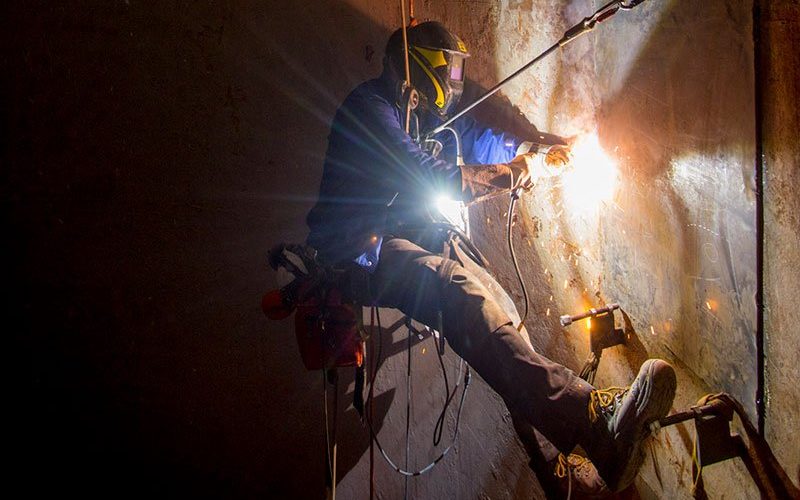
(509, 237)
(427, 468)
(408, 408)
(333, 433)
(331, 455)
(325, 411)
(371, 405)
(408, 68)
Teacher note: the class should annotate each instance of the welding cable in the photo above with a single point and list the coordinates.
(459, 151)
(374, 436)
(509, 238)
(448, 395)
(439, 428)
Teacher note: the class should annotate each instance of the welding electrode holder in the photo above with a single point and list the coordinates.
(567, 320)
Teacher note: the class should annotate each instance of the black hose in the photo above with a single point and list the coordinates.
(509, 237)
(374, 436)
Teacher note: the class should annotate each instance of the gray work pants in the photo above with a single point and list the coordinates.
(537, 391)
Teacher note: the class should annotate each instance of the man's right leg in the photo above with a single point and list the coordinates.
(566, 409)
(545, 394)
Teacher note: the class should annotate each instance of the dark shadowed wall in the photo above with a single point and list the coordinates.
(154, 152)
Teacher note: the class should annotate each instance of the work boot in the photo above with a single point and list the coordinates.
(578, 478)
(621, 420)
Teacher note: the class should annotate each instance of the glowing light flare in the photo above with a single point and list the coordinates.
(591, 177)
(454, 211)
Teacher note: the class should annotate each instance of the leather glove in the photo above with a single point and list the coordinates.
(521, 167)
(558, 155)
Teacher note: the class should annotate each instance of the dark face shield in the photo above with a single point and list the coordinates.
(456, 68)
(439, 76)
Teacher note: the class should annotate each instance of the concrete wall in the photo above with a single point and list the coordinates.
(669, 89)
(780, 64)
(155, 152)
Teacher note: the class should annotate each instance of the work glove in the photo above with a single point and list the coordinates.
(558, 156)
(547, 161)
(479, 182)
(521, 167)
(484, 181)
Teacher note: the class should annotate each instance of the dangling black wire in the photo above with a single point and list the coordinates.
(439, 427)
(448, 395)
(374, 436)
(509, 237)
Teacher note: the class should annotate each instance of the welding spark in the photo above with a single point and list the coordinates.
(591, 177)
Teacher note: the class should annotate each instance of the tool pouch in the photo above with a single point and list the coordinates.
(326, 325)
(327, 332)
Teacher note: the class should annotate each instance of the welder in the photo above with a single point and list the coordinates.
(378, 177)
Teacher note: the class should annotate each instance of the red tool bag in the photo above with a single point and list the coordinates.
(327, 332)
(326, 325)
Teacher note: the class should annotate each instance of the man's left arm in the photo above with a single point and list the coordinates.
(483, 145)
(489, 154)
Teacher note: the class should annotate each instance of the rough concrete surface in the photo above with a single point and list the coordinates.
(781, 67)
(669, 88)
(154, 152)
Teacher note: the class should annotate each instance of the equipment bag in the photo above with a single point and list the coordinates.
(326, 325)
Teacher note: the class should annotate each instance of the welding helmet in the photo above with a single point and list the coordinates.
(436, 62)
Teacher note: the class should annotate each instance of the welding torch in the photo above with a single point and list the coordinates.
(567, 320)
(585, 26)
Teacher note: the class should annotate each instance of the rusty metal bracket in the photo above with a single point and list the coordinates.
(715, 441)
(712, 416)
(602, 335)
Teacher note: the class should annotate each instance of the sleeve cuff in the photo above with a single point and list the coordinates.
(479, 182)
(524, 147)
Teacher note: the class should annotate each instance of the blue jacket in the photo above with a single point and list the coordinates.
(371, 161)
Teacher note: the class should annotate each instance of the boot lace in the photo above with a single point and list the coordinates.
(605, 401)
(568, 466)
